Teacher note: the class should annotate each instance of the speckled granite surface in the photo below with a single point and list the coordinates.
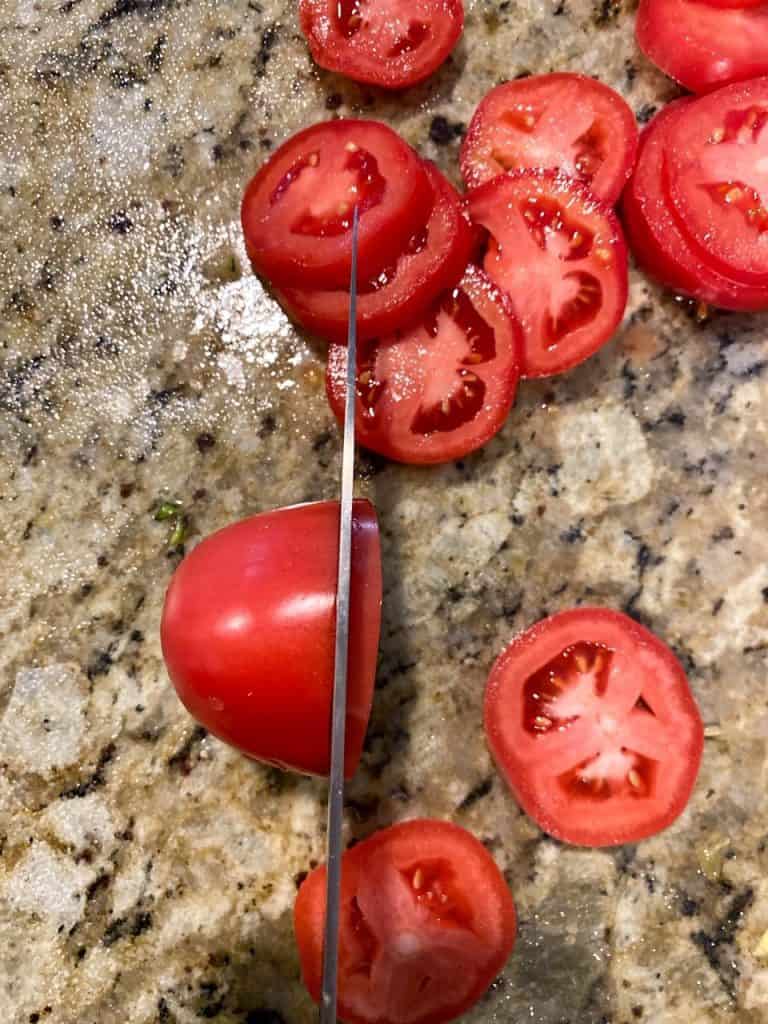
(148, 872)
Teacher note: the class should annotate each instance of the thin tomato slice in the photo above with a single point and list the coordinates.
(559, 253)
(657, 239)
(427, 922)
(441, 389)
(718, 178)
(297, 211)
(390, 43)
(433, 259)
(563, 122)
(704, 46)
(592, 722)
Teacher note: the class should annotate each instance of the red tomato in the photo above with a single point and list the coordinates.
(739, 4)
(248, 633)
(701, 45)
(297, 210)
(560, 255)
(433, 259)
(441, 389)
(561, 122)
(655, 235)
(590, 719)
(427, 922)
(718, 178)
(390, 43)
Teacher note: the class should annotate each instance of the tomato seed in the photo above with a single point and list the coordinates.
(418, 879)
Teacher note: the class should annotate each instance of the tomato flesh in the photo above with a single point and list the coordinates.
(433, 259)
(248, 632)
(297, 210)
(441, 389)
(564, 122)
(560, 256)
(389, 43)
(591, 720)
(427, 921)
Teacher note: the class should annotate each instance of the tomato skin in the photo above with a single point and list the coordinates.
(288, 188)
(548, 146)
(418, 279)
(248, 631)
(358, 56)
(487, 907)
(649, 670)
(704, 46)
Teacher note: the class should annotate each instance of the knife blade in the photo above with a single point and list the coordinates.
(328, 998)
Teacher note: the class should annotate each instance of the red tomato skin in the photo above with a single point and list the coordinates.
(520, 655)
(609, 180)
(704, 46)
(331, 51)
(430, 835)
(248, 631)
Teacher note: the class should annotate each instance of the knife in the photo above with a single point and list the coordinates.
(328, 998)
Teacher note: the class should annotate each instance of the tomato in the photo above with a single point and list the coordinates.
(426, 923)
(657, 239)
(739, 4)
(704, 46)
(718, 178)
(297, 210)
(433, 259)
(441, 389)
(591, 721)
(563, 122)
(560, 255)
(390, 43)
(248, 633)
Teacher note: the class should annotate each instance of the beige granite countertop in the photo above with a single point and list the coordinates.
(147, 872)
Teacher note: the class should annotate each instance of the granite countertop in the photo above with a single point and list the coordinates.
(147, 872)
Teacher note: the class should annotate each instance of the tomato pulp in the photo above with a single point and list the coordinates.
(591, 720)
(427, 921)
(248, 632)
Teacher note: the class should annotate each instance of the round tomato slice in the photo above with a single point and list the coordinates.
(563, 122)
(297, 210)
(433, 260)
(655, 236)
(441, 389)
(718, 178)
(426, 923)
(592, 722)
(704, 46)
(248, 633)
(560, 255)
(390, 43)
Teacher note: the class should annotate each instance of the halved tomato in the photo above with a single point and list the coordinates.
(591, 720)
(441, 389)
(559, 254)
(297, 210)
(718, 178)
(704, 46)
(390, 43)
(426, 923)
(563, 122)
(433, 259)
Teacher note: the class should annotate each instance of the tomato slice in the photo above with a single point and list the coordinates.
(560, 255)
(657, 239)
(704, 46)
(248, 632)
(441, 389)
(734, 4)
(427, 922)
(390, 43)
(718, 178)
(433, 260)
(591, 720)
(297, 210)
(563, 122)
